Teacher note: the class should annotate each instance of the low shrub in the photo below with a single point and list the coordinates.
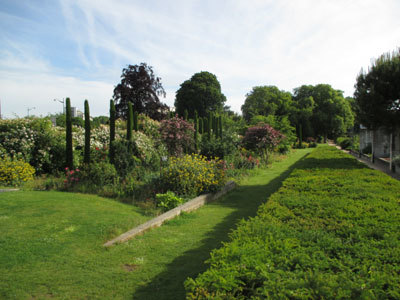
(312, 145)
(125, 162)
(344, 142)
(168, 201)
(193, 174)
(219, 147)
(330, 232)
(98, 174)
(15, 172)
(243, 159)
(72, 177)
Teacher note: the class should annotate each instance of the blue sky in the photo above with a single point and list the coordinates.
(53, 49)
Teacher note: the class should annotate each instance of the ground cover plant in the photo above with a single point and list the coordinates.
(330, 232)
(51, 242)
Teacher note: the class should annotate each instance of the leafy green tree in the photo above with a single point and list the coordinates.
(377, 92)
(142, 88)
(100, 120)
(377, 96)
(302, 110)
(202, 92)
(332, 115)
(266, 100)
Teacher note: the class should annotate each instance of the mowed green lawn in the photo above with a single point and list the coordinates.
(51, 245)
(51, 242)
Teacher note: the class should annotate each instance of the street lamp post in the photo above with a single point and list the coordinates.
(61, 101)
(29, 109)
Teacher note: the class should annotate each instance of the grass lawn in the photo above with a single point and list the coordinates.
(51, 242)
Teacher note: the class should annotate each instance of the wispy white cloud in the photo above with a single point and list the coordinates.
(285, 43)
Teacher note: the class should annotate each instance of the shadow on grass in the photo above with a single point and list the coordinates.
(245, 200)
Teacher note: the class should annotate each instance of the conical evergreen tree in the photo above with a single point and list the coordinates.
(86, 158)
(68, 135)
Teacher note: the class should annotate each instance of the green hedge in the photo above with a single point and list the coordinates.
(330, 232)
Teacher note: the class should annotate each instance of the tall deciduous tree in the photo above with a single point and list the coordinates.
(332, 115)
(377, 96)
(377, 92)
(202, 92)
(142, 88)
(302, 110)
(266, 100)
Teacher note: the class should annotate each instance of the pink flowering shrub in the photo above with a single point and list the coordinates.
(177, 134)
(71, 177)
(262, 138)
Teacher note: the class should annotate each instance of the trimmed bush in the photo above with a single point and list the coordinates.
(15, 172)
(193, 174)
(330, 232)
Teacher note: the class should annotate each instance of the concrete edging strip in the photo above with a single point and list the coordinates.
(8, 190)
(158, 221)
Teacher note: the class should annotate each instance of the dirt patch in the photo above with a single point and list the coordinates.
(130, 267)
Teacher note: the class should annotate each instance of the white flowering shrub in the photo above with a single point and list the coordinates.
(149, 126)
(34, 141)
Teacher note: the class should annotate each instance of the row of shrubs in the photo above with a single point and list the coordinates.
(143, 158)
(330, 232)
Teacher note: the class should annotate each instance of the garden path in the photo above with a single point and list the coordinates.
(376, 166)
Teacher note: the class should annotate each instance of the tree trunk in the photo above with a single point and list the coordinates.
(373, 147)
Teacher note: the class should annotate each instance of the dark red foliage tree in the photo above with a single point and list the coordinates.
(142, 88)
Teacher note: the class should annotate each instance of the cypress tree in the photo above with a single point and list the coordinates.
(86, 158)
(196, 129)
(209, 125)
(185, 115)
(215, 126)
(300, 136)
(135, 121)
(111, 153)
(68, 135)
(220, 127)
(201, 127)
(129, 124)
